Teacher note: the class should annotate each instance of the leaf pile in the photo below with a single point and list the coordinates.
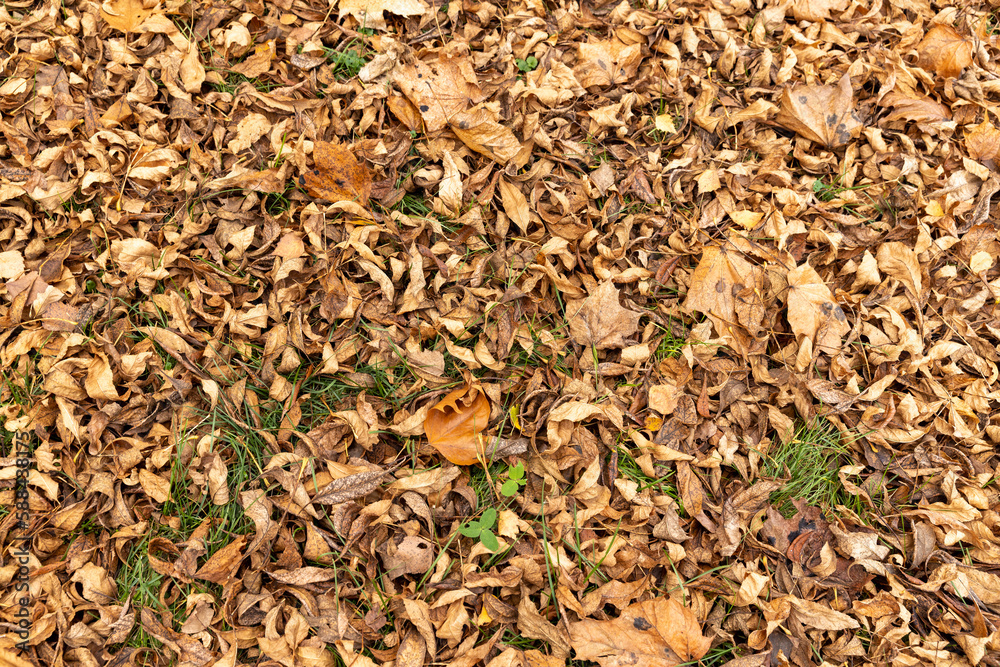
(506, 334)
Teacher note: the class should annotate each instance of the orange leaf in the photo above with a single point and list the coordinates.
(453, 425)
(944, 50)
(338, 175)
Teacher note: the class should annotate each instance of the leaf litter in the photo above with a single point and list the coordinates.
(366, 333)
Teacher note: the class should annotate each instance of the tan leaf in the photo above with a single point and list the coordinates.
(11, 265)
(983, 141)
(450, 187)
(944, 50)
(607, 62)
(259, 62)
(156, 487)
(59, 316)
(480, 130)
(370, 13)
(900, 261)
(192, 71)
(814, 615)
(413, 555)
(711, 290)
(515, 205)
(812, 312)
(338, 175)
(126, 15)
(223, 563)
(600, 321)
(817, 10)
(655, 633)
(453, 425)
(350, 487)
(439, 89)
(915, 109)
(824, 114)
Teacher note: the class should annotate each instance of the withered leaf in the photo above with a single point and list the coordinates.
(824, 114)
(658, 633)
(338, 175)
(350, 487)
(453, 425)
(944, 50)
(600, 321)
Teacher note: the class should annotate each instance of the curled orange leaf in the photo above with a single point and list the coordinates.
(453, 425)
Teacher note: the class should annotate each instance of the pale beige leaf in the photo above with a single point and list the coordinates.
(657, 633)
(599, 321)
(824, 114)
(812, 311)
(371, 13)
(515, 205)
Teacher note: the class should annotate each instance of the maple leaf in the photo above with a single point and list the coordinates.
(338, 175)
(944, 50)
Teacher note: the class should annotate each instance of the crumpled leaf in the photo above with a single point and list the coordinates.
(600, 321)
(453, 425)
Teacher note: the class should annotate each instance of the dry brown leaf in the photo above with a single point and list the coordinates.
(817, 10)
(607, 62)
(824, 114)
(600, 321)
(983, 141)
(127, 15)
(812, 312)
(944, 50)
(480, 130)
(371, 13)
(712, 286)
(454, 424)
(515, 205)
(338, 175)
(350, 487)
(657, 633)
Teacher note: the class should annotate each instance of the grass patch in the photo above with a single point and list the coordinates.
(809, 463)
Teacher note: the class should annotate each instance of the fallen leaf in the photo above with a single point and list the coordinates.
(125, 15)
(657, 633)
(944, 50)
(600, 321)
(824, 114)
(983, 141)
(812, 311)
(371, 13)
(453, 425)
(338, 175)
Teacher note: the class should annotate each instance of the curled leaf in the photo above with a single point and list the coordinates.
(453, 425)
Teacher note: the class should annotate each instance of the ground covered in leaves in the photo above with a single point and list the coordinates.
(519, 334)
